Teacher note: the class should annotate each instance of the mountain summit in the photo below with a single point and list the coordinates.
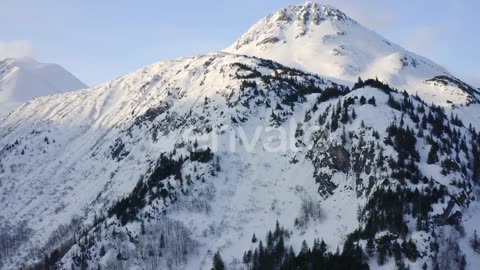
(321, 39)
(22, 79)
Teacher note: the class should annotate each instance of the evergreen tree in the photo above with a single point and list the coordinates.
(305, 248)
(382, 253)
(370, 247)
(269, 240)
(102, 251)
(363, 100)
(218, 263)
(475, 242)
(345, 117)
(463, 263)
(432, 155)
(162, 241)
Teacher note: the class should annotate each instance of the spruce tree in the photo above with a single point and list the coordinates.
(475, 242)
(323, 247)
(162, 241)
(305, 248)
(254, 239)
(354, 114)
(218, 263)
(363, 100)
(370, 247)
(432, 155)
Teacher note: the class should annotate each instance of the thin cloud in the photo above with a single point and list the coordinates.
(15, 49)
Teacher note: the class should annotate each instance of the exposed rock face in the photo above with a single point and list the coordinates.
(340, 158)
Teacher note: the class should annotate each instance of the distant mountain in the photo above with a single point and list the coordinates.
(303, 171)
(323, 40)
(22, 79)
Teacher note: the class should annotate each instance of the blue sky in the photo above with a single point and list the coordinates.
(100, 40)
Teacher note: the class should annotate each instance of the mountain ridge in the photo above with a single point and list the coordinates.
(323, 40)
(118, 176)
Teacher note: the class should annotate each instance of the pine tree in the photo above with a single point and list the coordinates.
(218, 263)
(363, 100)
(354, 114)
(278, 230)
(463, 263)
(397, 252)
(162, 241)
(344, 136)
(305, 248)
(142, 228)
(323, 247)
(370, 247)
(334, 123)
(269, 240)
(432, 155)
(254, 239)
(316, 245)
(475, 242)
(382, 254)
(102, 251)
(245, 258)
(345, 117)
(280, 247)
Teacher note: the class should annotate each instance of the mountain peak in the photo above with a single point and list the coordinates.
(321, 39)
(24, 78)
(293, 22)
(306, 16)
(316, 13)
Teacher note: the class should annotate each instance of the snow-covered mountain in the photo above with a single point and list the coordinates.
(22, 79)
(323, 40)
(226, 155)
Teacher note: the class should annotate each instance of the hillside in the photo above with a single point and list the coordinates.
(243, 162)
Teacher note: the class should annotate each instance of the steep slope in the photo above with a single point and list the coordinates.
(120, 176)
(323, 40)
(22, 79)
(75, 153)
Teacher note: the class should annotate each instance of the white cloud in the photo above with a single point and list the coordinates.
(15, 48)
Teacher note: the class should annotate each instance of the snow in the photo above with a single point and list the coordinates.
(313, 40)
(22, 79)
(73, 174)
(57, 161)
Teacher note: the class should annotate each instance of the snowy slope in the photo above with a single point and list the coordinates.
(68, 160)
(119, 177)
(85, 149)
(323, 40)
(22, 79)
